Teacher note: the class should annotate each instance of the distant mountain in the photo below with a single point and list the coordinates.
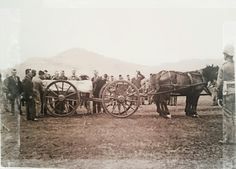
(85, 62)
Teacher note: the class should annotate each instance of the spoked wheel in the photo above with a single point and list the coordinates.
(120, 98)
(61, 98)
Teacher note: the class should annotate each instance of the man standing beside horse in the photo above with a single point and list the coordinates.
(227, 100)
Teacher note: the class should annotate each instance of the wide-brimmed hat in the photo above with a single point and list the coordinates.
(229, 50)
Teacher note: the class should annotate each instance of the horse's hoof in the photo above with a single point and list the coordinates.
(168, 116)
(195, 116)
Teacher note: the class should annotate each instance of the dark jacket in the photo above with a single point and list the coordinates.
(98, 84)
(14, 86)
(27, 88)
(63, 78)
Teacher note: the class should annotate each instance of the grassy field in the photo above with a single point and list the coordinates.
(143, 140)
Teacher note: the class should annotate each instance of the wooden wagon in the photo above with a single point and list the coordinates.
(62, 98)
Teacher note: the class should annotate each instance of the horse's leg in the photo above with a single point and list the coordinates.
(192, 102)
(187, 106)
(166, 110)
(158, 104)
(165, 107)
(194, 105)
(158, 107)
(162, 102)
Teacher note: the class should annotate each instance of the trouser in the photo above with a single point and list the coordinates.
(85, 101)
(214, 97)
(30, 109)
(39, 104)
(229, 118)
(96, 107)
(5, 102)
(229, 127)
(13, 101)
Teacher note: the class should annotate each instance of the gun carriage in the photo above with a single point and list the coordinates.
(118, 98)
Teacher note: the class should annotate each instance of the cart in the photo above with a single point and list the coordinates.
(118, 98)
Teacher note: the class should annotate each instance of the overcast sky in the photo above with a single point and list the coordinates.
(148, 36)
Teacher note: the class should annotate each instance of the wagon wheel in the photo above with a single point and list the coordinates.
(120, 98)
(61, 98)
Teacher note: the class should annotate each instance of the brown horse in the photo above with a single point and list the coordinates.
(189, 84)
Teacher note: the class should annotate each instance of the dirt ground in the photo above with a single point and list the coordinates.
(143, 140)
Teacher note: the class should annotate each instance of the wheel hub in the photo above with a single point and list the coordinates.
(61, 98)
(121, 99)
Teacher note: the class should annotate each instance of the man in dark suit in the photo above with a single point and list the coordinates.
(98, 84)
(28, 94)
(14, 89)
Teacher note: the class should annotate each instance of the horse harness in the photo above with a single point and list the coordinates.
(190, 76)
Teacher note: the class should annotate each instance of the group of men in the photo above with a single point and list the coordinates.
(15, 90)
(30, 90)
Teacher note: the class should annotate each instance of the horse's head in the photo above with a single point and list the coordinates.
(210, 73)
(155, 80)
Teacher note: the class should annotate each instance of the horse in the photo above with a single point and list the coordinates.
(189, 84)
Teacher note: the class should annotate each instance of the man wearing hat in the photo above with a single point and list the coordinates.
(226, 75)
(14, 89)
(47, 76)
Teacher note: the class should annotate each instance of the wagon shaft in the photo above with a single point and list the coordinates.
(175, 90)
(95, 99)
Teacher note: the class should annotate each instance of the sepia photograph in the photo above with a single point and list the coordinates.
(117, 84)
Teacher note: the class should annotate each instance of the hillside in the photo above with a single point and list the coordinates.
(85, 62)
